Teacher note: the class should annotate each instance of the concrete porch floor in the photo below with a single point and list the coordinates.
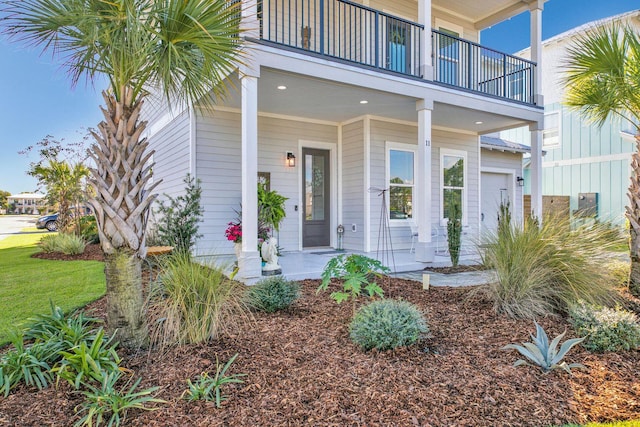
(309, 264)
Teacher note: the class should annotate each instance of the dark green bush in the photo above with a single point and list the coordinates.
(387, 324)
(87, 228)
(605, 329)
(273, 294)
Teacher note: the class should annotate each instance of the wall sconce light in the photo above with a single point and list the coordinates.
(520, 181)
(291, 159)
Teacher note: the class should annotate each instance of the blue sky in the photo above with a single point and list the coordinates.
(36, 98)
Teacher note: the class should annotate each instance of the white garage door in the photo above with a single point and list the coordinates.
(495, 190)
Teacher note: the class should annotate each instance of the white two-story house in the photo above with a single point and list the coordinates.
(342, 99)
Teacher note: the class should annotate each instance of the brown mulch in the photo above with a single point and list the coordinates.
(302, 369)
(92, 252)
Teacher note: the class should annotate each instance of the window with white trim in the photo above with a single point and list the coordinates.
(401, 166)
(552, 129)
(453, 165)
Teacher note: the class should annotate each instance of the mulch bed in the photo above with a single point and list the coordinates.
(302, 369)
(91, 252)
(456, 269)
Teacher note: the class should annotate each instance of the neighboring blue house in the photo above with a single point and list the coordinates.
(581, 158)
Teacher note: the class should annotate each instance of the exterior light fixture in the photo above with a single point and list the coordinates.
(291, 159)
(479, 122)
(282, 87)
(364, 101)
(520, 181)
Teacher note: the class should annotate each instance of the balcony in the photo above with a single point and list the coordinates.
(345, 31)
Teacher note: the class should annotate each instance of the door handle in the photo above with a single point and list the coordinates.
(482, 217)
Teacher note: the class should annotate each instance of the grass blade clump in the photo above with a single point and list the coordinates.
(195, 303)
(541, 270)
(68, 244)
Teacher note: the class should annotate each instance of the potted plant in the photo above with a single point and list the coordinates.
(271, 210)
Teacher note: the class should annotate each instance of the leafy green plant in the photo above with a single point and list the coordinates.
(543, 354)
(273, 294)
(107, 402)
(605, 329)
(68, 244)
(90, 359)
(178, 220)
(87, 228)
(543, 269)
(271, 210)
(209, 388)
(454, 233)
(59, 326)
(356, 271)
(387, 324)
(28, 364)
(194, 302)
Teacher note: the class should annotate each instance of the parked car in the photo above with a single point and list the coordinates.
(50, 222)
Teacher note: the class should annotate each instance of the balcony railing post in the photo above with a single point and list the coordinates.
(377, 39)
(469, 66)
(504, 75)
(322, 27)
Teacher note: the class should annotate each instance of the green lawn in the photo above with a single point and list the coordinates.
(614, 424)
(28, 284)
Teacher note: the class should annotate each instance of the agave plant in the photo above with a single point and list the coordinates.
(544, 355)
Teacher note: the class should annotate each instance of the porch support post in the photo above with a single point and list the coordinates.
(536, 49)
(249, 264)
(424, 247)
(536, 169)
(424, 18)
(249, 19)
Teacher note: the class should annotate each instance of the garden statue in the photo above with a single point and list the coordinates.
(269, 252)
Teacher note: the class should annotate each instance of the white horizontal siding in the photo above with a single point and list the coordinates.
(507, 161)
(353, 184)
(218, 167)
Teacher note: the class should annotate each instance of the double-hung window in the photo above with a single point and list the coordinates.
(453, 183)
(401, 160)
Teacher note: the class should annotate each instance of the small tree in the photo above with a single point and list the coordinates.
(179, 218)
(3, 199)
(454, 231)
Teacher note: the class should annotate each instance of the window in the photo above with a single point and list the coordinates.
(453, 181)
(401, 178)
(552, 127)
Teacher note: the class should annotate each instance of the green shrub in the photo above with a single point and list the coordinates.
(194, 303)
(30, 364)
(69, 330)
(177, 223)
(356, 271)
(619, 271)
(544, 269)
(547, 356)
(110, 404)
(605, 329)
(90, 359)
(68, 244)
(454, 233)
(209, 388)
(387, 324)
(273, 294)
(87, 228)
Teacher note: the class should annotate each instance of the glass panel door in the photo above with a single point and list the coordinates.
(316, 224)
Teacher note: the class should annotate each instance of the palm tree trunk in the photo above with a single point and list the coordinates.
(121, 206)
(633, 215)
(125, 298)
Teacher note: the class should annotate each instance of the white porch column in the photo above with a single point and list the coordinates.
(424, 18)
(536, 169)
(249, 264)
(249, 19)
(536, 49)
(424, 247)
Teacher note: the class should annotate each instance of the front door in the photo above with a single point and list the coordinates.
(495, 191)
(316, 225)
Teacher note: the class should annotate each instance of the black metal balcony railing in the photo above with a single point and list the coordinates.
(341, 29)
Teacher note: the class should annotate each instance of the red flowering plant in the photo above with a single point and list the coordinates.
(233, 232)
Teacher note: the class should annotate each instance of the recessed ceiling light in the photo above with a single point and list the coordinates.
(282, 87)
(479, 122)
(364, 101)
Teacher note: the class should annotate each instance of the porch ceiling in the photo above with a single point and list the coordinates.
(336, 102)
(483, 13)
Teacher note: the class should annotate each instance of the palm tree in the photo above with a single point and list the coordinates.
(603, 80)
(64, 184)
(182, 50)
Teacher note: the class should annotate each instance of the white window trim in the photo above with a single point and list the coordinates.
(399, 146)
(559, 144)
(457, 153)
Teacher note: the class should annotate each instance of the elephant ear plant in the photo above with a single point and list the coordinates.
(543, 354)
